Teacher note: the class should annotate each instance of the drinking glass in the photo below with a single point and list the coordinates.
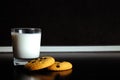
(26, 44)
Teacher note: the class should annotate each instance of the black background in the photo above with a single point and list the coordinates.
(63, 23)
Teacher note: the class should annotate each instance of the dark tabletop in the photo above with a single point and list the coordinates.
(84, 68)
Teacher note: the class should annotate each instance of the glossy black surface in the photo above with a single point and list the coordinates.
(83, 69)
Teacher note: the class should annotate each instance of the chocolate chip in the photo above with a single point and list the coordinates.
(40, 60)
(44, 58)
(58, 66)
(33, 61)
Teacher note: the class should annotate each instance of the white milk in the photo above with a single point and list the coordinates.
(26, 45)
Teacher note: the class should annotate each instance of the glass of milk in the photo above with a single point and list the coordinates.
(25, 44)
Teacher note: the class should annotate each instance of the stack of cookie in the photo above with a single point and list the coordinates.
(49, 63)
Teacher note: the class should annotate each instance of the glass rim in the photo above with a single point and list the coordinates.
(23, 30)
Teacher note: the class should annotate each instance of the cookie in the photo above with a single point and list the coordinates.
(60, 66)
(40, 63)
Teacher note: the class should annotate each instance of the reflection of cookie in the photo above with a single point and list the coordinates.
(62, 73)
(60, 66)
(65, 73)
(40, 63)
(52, 75)
(43, 77)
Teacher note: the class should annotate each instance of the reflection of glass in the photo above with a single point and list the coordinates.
(41, 75)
